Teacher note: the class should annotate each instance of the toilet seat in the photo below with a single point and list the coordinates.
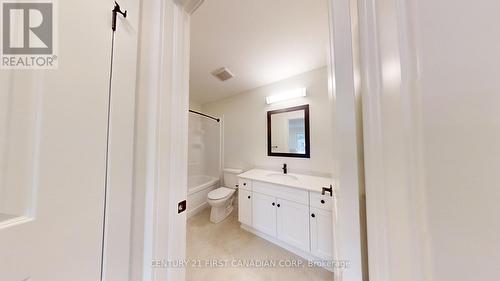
(220, 193)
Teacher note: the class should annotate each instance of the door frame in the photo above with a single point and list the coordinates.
(349, 225)
(161, 139)
(392, 114)
(158, 234)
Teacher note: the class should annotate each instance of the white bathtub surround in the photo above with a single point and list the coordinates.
(204, 152)
(221, 199)
(204, 160)
(290, 211)
(198, 188)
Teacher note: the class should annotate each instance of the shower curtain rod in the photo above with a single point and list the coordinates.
(202, 114)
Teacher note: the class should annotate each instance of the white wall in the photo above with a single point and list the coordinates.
(194, 105)
(460, 94)
(433, 154)
(245, 125)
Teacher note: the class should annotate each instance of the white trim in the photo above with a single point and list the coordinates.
(348, 224)
(190, 6)
(393, 143)
(161, 141)
(15, 220)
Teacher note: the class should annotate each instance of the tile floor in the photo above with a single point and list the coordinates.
(227, 244)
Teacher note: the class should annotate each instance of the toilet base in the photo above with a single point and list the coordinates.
(218, 214)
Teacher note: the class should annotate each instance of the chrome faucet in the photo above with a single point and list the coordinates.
(285, 169)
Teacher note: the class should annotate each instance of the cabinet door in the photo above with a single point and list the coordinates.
(264, 213)
(245, 207)
(321, 233)
(293, 224)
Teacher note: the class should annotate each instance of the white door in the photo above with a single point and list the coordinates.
(321, 233)
(53, 126)
(293, 224)
(245, 207)
(264, 213)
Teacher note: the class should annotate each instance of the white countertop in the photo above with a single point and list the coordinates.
(309, 183)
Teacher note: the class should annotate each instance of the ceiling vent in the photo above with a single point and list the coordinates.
(223, 74)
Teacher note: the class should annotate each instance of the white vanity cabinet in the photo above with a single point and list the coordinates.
(285, 220)
(293, 224)
(244, 184)
(264, 213)
(245, 206)
(321, 223)
(321, 233)
(297, 219)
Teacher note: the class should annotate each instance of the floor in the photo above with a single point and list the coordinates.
(224, 251)
(6, 217)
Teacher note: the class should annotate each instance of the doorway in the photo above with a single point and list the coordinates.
(167, 110)
(244, 145)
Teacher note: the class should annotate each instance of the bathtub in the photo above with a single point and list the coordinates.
(198, 188)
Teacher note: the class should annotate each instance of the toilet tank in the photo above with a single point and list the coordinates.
(231, 177)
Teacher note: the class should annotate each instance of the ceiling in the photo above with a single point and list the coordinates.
(260, 41)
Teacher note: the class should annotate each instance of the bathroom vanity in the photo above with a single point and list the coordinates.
(288, 210)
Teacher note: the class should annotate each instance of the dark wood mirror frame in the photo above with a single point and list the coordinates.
(305, 108)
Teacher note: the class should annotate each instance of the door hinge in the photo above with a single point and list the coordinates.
(117, 10)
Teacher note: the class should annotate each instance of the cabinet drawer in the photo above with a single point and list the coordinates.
(245, 184)
(321, 201)
(283, 192)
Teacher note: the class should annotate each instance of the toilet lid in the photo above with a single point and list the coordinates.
(220, 193)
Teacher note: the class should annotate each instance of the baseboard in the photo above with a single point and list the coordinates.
(198, 209)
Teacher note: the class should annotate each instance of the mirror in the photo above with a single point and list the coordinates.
(288, 132)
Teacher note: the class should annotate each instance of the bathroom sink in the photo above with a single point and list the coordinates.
(307, 182)
(282, 176)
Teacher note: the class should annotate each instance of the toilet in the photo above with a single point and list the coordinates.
(221, 199)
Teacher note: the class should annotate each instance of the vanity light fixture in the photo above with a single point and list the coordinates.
(287, 95)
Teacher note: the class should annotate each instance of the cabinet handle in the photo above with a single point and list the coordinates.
(279, 205)
(244, 183)
(249, 197)
(274, 204)
(325, 190)
(313, 215)
(322, 201)
(237, 185)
